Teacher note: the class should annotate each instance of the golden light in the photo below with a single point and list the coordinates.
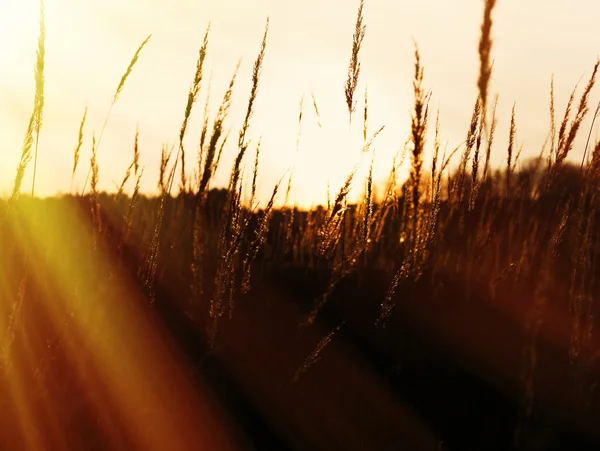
(109, 349)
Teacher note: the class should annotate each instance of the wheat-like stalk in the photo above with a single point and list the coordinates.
(35, 121)
(418, 133)
(126, 177)
(204, 132)
(242, 144)
(316, 354)
(77, 152)
(490, 141)
(316, 108)
(217, 132)
(366, 116)
(254, 176)
(191, 100)
(552, 119)
(511, 146)
(582, 111)
(260, 238)
(354, 65)
(136, 152)
(130, 211)
(165, 156)
(39, 89)
(116, 96)
(595, 116)
(220, 152)
(485, 50)
(95, 206)
(470, 144)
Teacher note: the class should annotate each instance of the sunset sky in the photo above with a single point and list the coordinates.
(90, 43)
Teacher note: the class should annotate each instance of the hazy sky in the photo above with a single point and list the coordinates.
(90, 43)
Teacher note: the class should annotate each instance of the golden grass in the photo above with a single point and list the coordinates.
(354, 65)
(116, 96)
(35, 122)
(485, 50)
(77, 152)
(474, 224)
(39, 90)
(192, 97)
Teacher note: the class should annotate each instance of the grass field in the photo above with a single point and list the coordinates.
(455, 310)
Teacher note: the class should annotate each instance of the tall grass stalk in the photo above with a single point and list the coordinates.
(35, 121)
(191, 100)
(418, 133)
(511, 146)
(242, 141)
(77, 152)
(354, 65)
(39, 90)
(116, 96)
(485, 50)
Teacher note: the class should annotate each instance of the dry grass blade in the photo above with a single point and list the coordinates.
(436, 152)
(192, 97)
(511, 146)
(368, 144)
(354, 66)
(475, 165)
(388, 303)
(300, 115)
(242, 144)
(136, 152)
(596, 114)
(567, 138)
(134, 164)
(315, 355)
(77, 153)
(485, 50)
(342, 194)
(332, 230)
(116, 97)
(366, 116)
(217, 132)
(95, 206)
(127, 73)
(562, 132)
(39, 89)
(316, 108)
(582, 111)
(232, 230)
(254, 176)
(165, 156)
(594, 167)
(368, 213)
(260, 238)
(204, 132)
(220, 152)
(418, 134)
(470, 143)
(490, 141)
(130, 210)
(126, 177)
(35, 120)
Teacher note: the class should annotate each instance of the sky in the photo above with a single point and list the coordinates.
(90, 43)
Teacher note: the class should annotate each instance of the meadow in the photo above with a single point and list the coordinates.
(454, 310)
